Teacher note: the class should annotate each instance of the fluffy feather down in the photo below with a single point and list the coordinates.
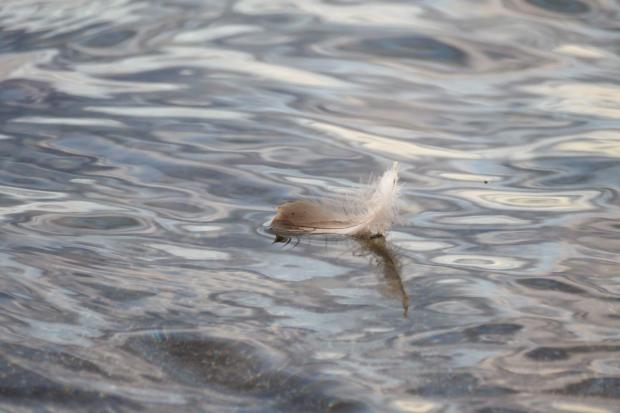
(368, 213)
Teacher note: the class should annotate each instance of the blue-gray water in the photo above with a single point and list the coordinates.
(145, 144)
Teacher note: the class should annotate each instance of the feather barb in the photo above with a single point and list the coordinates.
(368, 213)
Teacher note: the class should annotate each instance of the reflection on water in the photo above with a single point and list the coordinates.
(387, 261)
(144, 144)
(383, 258)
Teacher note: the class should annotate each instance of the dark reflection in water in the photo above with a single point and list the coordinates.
(98, 223)
(415, 47)
(561, 6)
(384, 259)
(387, 261)
(458, 385)
(144, 145)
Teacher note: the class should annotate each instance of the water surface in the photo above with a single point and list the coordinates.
(144, 145)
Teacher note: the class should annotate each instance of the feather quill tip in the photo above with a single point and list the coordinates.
(368, 213)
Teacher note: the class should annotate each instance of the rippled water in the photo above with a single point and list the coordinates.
(145, 144)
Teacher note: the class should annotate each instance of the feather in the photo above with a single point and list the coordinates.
(365, 214)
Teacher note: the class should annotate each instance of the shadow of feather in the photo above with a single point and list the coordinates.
(387, 261)
(384, 258)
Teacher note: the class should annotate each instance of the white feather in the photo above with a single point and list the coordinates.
(368, 213)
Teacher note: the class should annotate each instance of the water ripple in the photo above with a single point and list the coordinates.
(144, 145)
